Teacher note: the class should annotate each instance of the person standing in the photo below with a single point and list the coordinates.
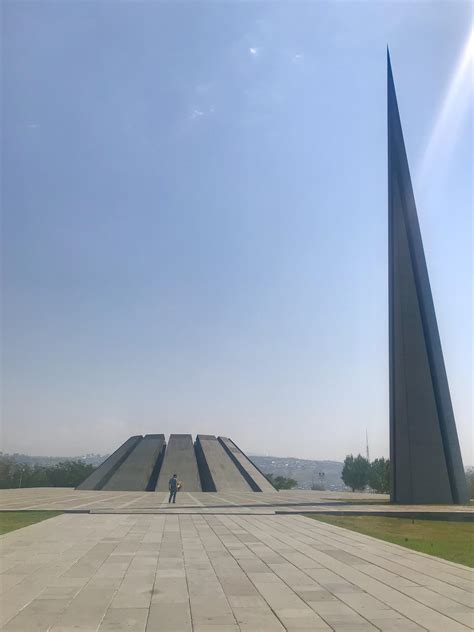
(173, 487)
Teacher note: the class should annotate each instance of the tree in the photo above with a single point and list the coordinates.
(9, 473)
(355, 472)
(69, 473)
(280, 482)
(379, 476)
(470, 482)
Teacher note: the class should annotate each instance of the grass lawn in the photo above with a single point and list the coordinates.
(11, 520)
(453, 541)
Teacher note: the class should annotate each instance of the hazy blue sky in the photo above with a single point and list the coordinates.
(195, 218)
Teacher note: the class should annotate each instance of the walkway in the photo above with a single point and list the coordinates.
(221, 573)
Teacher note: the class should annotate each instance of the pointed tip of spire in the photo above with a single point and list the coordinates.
(390, 81)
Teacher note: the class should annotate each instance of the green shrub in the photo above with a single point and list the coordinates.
(280, 482)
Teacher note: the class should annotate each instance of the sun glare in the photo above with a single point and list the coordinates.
(453, 110)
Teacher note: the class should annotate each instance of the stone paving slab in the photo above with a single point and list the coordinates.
(219, 573)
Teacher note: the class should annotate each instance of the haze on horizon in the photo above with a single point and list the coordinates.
(195, 219)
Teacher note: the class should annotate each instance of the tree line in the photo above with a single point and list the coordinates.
(358, 473)
(63, 474)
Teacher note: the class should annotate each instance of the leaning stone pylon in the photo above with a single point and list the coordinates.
(424, 448)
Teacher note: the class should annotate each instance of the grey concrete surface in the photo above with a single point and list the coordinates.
(224, 473)
(180, 459)
(260, 482)
(424, 448)
(144, 464)
(221, 573)
(135, 472)
(104, 472)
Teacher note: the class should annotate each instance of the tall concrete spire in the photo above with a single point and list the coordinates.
(424, 448)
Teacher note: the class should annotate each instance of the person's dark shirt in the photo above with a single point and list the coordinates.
(173, 484)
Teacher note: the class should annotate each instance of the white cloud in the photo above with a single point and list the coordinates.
(298, 57)
(253, 51)
(198, 113)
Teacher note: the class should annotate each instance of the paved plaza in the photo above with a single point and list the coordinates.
(215, 564)
(66, 499)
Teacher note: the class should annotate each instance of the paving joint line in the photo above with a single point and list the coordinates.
(363, 590)
(309, 577)
(214, 570)
(383, 544)
(399, 591)
(58, 577)
(243, 570)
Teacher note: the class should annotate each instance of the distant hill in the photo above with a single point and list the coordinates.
(305, 471)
